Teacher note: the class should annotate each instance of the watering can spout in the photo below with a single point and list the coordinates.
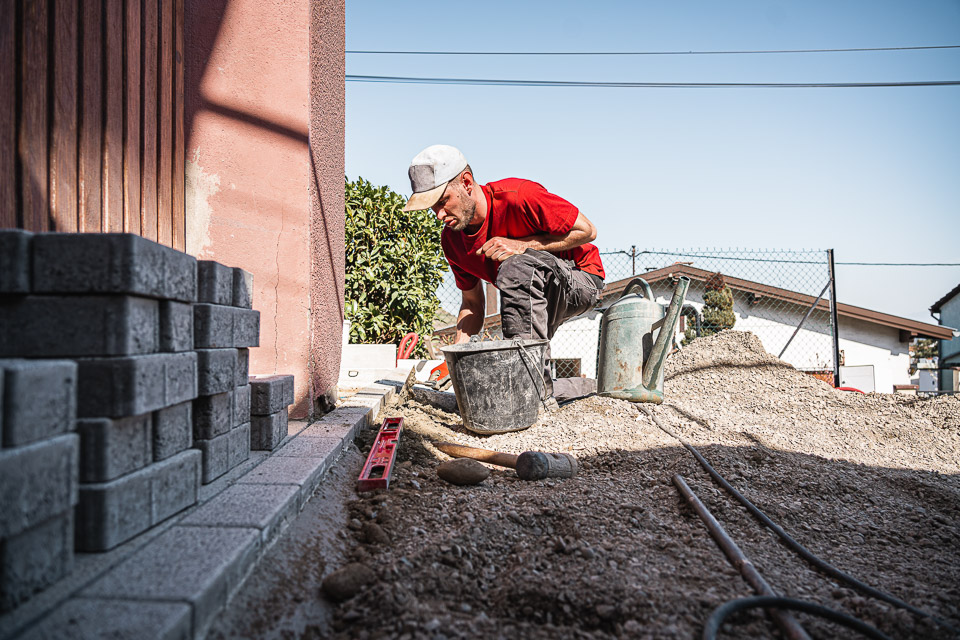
(658, 355)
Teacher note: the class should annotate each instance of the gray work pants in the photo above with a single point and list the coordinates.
(538, 291)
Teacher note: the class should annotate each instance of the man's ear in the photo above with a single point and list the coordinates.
(466, 179)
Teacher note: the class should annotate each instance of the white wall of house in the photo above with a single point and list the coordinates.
(865, 343)
(578, 338)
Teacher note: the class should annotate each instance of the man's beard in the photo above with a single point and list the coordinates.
(469, 212)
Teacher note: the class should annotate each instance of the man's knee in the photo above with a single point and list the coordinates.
(519, 269)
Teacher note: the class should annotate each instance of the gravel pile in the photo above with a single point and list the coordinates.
(871, 483)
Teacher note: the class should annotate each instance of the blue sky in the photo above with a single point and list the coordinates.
(873, 173)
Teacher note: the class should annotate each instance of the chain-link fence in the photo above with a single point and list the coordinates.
(773, 292)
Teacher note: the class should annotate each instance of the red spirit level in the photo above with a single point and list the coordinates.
(376, 471)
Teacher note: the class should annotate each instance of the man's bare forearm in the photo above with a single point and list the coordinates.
(469, 323)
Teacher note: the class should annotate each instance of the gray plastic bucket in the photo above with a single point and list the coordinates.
(498, 383)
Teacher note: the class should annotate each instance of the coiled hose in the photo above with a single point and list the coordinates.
(798, 548)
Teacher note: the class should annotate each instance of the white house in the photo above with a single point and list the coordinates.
(948, 308)
(874, 346)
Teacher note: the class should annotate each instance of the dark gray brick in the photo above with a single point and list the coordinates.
(268, 394)
(212, 415)
(111, 447)
(33, 560)
(37, 482)
(88, 618)
(241, 405)
(216, 370)
(288, 396)
(216, 457)
(267, 507)
(176, 326)
(242, 289)
(172, 430)
(246, 328)
(134, 385)
(112, 263)
(199, 565)
(111, 513)
(239, 447)
(243, 367)
(306, 472)
(38, 399)
(267, 432)
(214, 283)
(66, 326)
(213, 326)
(15, 261)
(175, 485)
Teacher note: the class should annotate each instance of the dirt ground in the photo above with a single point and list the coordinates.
(870, 483)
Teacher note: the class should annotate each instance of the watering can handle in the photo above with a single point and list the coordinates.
(638, 282)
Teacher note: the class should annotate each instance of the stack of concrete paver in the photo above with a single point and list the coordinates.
(225, 326)
(120, 307)
(270, 396)
(38, 475)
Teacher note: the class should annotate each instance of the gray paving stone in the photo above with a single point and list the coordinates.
(243, 367)
(241, 405)
(199, 565)
(89, 618)
(342, 426)
(37, 482)
(172, 430)
(176, 485)
(112, 447)
(213, 326)
(68, 326)
(267, 507)
(239, 445)
(313, 447)
(305, 472)
(216, 457)
(111, 513)
(33, 560)
(288, 389)
(216, 370)
(176, 326)
(213, 415)
(246, 328)
(214, 283)
(267, 432)
(268, 394)
(133, 385)
(114, 263)
(38, 399)
(15, 261)
(242, 288)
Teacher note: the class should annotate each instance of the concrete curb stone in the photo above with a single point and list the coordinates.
(112, 447)
(216, 370)
(32, 560)
(241, 405)
(214, 282)
(267, 432)
(133, 385)
(15, 261)
(176, 326)
(197, 565)
(86, 618)
(270, 394)
(213, 415)
(172, 430)
(267, 507)
(37, 482)
(242, 288)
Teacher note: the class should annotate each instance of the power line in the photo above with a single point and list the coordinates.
(741, 259)
(641, 53)
(645, 85)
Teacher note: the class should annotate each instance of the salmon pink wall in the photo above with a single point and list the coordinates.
(264, 111)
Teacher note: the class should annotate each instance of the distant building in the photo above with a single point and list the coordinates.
(948, 308)
(874, 346)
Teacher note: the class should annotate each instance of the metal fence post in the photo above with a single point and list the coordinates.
(633, 260)
(833, 320)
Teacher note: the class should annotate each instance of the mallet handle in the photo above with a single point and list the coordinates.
(483, 455)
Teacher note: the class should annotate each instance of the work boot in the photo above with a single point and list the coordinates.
(550, 405)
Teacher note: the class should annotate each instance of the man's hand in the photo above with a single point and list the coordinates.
(500, 249)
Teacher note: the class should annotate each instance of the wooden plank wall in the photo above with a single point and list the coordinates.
(91, 117)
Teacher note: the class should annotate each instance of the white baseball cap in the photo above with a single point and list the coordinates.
(430, 171)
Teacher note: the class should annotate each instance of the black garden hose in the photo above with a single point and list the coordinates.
(798, 548)
(720, 614)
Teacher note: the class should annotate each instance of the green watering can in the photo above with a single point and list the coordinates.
(631, 363)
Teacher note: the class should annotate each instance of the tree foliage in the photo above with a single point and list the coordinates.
(717, 306)
(394, 265)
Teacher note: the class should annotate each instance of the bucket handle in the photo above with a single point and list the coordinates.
(635, 283)
(523, 352)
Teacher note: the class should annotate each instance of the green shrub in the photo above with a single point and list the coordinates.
(717, 306)
(394, 265)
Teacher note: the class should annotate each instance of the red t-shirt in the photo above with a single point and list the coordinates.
(516, 208)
